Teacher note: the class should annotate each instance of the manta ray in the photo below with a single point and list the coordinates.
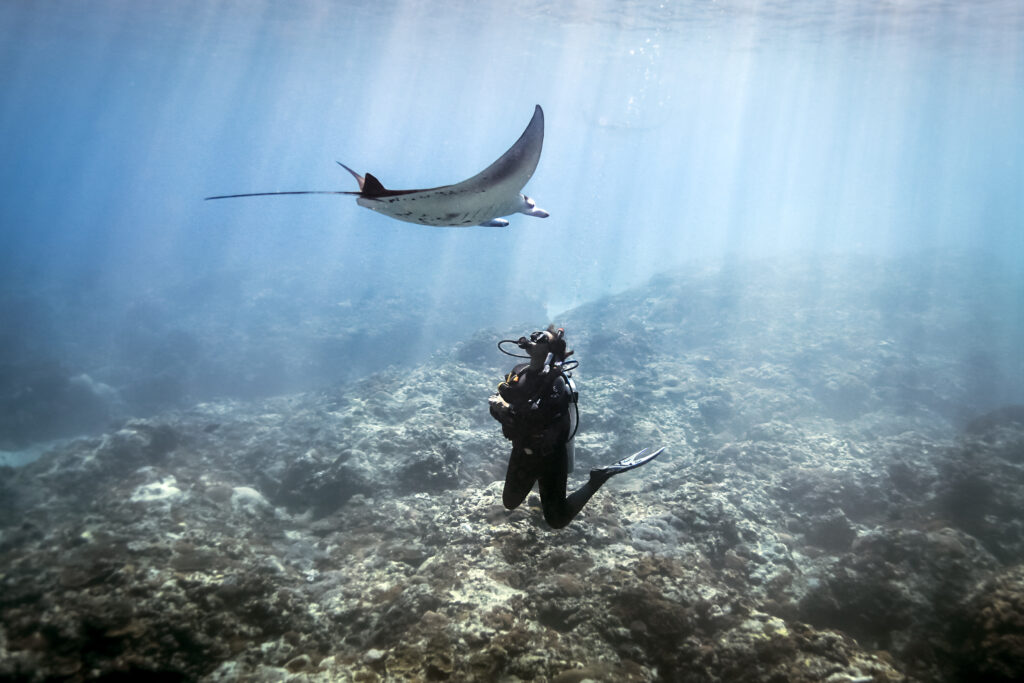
(482, 200)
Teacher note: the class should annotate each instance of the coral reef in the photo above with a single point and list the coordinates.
(832, 507)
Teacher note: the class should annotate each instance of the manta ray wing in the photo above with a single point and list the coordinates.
(514, 168)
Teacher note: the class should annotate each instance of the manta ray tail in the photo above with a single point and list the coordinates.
(368, 187)
(267, 194)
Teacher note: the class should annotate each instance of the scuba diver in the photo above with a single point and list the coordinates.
(536, 405)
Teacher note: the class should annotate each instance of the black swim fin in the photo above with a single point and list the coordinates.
(631, 462)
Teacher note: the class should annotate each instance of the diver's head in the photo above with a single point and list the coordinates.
(545, 346)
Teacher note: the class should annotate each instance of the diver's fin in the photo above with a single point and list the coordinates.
(628, 463)
(495, 223)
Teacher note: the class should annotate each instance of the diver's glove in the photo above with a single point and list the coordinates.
(500, 409)
(511, 424)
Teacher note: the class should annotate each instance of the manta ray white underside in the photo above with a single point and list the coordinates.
(481, 200)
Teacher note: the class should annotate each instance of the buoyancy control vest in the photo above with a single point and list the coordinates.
(540, 403)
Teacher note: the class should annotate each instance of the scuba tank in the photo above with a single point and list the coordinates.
(574, 424)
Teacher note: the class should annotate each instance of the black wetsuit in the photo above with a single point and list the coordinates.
(540, 422)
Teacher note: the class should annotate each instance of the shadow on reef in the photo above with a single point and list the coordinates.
(821, 513)
(216, 336)
(42, 400)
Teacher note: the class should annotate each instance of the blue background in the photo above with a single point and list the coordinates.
(676, 133)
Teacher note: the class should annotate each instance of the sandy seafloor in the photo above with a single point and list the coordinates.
(840, 501)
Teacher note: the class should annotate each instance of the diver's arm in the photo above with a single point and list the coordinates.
(499, 407)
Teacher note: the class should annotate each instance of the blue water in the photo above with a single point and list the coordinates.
(675, 133)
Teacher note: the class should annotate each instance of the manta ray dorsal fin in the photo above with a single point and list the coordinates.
(372, 187)
(513, 169)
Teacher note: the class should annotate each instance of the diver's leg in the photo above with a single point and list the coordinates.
(560, 509)
(520, 476)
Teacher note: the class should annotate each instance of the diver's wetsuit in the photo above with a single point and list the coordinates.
(536, 406)
(540, 421)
